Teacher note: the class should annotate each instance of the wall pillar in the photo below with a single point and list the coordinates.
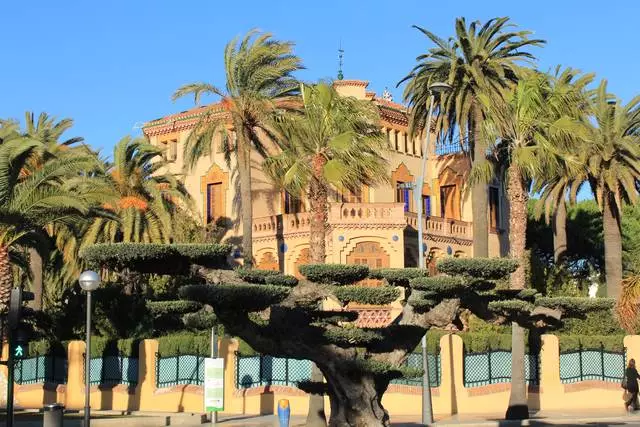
(447, 386)
(551, 388)
(147, 373)
(74, 398)
(632, 344)
(227, 348)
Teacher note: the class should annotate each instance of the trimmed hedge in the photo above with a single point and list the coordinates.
(398, 276)
(442, 286)
(248, 298)
(576, 305)
(574, 342)
(366, 295)
(153, 257)
(350, 337)
(478, 268)
(255, 276)
(160, 308)
(335, 274)
(281, 280)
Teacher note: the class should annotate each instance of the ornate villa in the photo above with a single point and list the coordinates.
(373, 226)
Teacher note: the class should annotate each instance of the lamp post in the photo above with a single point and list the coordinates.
(89, 281)
(427, 411)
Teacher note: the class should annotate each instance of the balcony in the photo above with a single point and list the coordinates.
(445, 227)
(364, 216)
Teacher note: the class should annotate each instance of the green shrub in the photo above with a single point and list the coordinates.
(255, 275)
(350, 337)
(576, 306)
(442, 286)
(478, 268)
(398, 276)
(248, 298)
(598, 322)
(365, 295)
(211, 255)
(184, 343)
(200, 320)
(281, 280)
(593, 342)
(335, 274)
(153, 257)
(160, 308)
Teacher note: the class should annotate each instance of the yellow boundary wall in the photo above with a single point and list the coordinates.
(450, 397)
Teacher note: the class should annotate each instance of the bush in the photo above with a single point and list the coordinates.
(153, 257)
(398, 276)
(349, 337)
(200, 320)
(593, 342)
(161, 308)
(255, 276)
(335, 274)
(478, 268)
(281, 280)
(248, 298)
(576, 306)
(366, 295)
(442, 286)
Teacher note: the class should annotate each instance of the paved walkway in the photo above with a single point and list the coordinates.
(112, 419)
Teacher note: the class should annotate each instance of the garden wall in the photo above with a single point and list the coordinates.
(462, 382)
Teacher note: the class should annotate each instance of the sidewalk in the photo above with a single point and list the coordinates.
(114, 419)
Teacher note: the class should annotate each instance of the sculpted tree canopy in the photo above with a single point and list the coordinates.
(310, 319)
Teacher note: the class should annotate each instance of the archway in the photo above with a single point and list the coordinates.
(268, 262)
(303, 258)
(371, 254)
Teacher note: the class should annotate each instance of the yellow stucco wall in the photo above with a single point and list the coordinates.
(450, 397)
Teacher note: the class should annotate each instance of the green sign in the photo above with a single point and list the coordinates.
(18, 351)
(213, 384)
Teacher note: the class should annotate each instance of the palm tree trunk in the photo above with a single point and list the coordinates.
(35, 265)
(6, 278)
(246, 210)
(318, 199)
(518, 196)
(317, 254)
(479, 202)
(559, 224)
(612, 245)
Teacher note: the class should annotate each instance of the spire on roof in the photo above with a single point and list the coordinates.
(340, 55)
(386, 95)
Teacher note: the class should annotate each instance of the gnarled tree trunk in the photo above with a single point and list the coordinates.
(612, 244)
(356, 400)
(518, 196)
(479, 195)
(244, 171)
(559, 224)
(317, 254)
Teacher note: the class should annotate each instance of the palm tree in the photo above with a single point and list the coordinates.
(556, 183)
(31, 201)
(141, 195)
(48, 131)
(258, 76)
(335, 141)
(481, 60)
(612, 168)
(527, 127)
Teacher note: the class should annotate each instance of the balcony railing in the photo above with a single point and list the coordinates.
(441, 226)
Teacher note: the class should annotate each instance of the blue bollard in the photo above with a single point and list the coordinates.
(284, 412)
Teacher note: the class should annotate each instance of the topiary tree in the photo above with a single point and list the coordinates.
(287, 319)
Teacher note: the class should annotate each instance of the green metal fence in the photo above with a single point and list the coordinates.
(414, 360)
(179, 369)
(494, 366)
(592, 364)
(113, 370)
(41, 369)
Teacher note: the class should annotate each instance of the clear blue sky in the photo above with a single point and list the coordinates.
(112, 64)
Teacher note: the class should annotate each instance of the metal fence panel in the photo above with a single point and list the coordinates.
(180, 369)
(41, 369)
(113, 370)
(414, 360)
(493, 367)
(592, 364)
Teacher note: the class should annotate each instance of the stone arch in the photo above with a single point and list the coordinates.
(460, 254)
(372, 254)
(301, 258)
(209, 183)
(386, 244)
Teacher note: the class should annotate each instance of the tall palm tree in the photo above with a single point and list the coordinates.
(526, 128)
(555, 184)
(612, 160)
(31, 201)
(140, 193)
(335, 141)
(258, 73)
(49, 131)
(481, 59)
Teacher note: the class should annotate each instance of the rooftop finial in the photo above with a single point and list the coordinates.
(340, 55)
(386, 95)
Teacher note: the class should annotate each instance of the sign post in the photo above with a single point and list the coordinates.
(213, 385)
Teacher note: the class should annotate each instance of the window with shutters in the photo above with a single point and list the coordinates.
(494, 207)
(214, 202)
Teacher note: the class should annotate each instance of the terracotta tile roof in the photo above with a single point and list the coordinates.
(363, 83)
(179, 121)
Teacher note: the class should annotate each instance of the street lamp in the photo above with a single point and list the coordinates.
(434, 88)
(89, 281)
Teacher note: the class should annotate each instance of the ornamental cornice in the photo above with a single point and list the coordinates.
(448, 239)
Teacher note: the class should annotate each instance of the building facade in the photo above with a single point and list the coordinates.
(374, 226)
